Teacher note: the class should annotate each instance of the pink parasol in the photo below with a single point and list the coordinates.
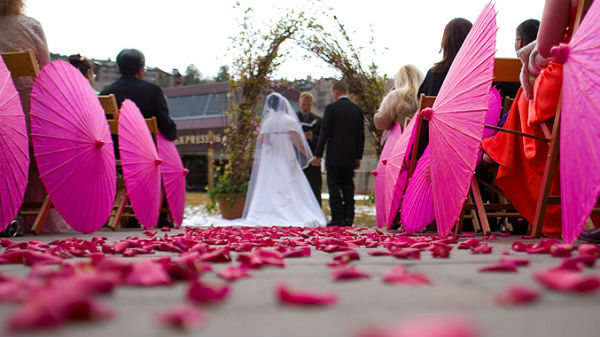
(73, 147)
(417, 204)
(491, 117)
(14, 149)
(580, 124)
(392, 173)
(456, 120)
(141, 164)
(173, 176)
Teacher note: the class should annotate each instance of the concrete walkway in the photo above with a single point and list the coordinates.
(253, 309)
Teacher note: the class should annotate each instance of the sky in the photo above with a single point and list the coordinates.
(177, 33)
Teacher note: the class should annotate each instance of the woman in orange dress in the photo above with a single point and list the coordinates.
(522, 160)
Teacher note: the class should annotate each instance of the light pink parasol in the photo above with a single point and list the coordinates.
(141, 164)
(73, 147)
(417, 204)
(392, 174)
(456, 120)
(580, 124)
(173, 176)
(14, 149)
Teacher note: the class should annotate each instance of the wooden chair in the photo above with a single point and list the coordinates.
(544, 197)
(121, 209)
(21, 64)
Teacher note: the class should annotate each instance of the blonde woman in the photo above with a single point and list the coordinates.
(402, 101)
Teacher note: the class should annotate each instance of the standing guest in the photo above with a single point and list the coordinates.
(402, 101)
(343, 131)
(148, 97)
(455, 33)
(84, 65)
(311, 125)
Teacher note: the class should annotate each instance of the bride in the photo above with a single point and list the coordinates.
(279, 193)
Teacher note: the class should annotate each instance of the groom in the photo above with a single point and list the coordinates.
(343, 131)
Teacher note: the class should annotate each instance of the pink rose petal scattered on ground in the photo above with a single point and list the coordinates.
(576, 263)
(233, 273)
(500, 267)
(570, 281)
(407, 253)
(147, 273)
(165, 228)
(441, 325)
(468, 244)
(401, 275)
(519, 246)
(561, 250)
(589, 249)
(347, 273)
(301, 297)
(183, 316)
(518, 261)
(379, 253)
(347, 256)
(504, 234)
(205, 293)
(483, 248)
(517, 295)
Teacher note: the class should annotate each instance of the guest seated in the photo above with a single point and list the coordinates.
(402, 101)
(19, 33)
(455, 33)
(521, 160)
(148, 97)
(84, 65)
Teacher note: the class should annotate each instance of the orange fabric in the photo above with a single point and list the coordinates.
(522, 162)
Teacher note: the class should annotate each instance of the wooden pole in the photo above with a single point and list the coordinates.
(211, 161)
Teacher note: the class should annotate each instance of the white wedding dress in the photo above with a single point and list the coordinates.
(279, 193)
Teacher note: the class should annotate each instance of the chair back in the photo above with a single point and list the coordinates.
(424, 102)
(21, 63)
(507, 70)
(109, 104)
(153, 127)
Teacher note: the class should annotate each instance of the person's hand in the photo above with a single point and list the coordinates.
(308, 134)
(357, 164)
(316, 161)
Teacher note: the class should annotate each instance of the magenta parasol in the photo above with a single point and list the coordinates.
(14, 149)
(73, 147)
(395, 174)
(379, 173)
(173, 176)
(141, 164)
(580, 124)
(417, 204)
(456, 120)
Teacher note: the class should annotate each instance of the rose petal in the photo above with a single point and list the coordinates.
(183, 316)
(519, 246)
(500, 266)
(147, 273)
(589, 249)
(400, 275)
(207, 293)
(518, 261)
(233, 273)
(576, 263)
(407, 253)
(561, 250)
(441, 325)
(300, 297)
(347, 256)
(165, 228)
(569, 281)
(300, 252)
(347, 273)
(516, 295)
(483, 248)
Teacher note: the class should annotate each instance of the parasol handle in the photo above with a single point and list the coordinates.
(99, 143)
(157, 161)
(427, 113)
(185, 172)
(560, 53)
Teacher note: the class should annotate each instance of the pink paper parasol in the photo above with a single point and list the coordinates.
(73, 147)
(456, 120)
(141, 164)
(14, 149)
(580, 124)
(391, 182)
(173, 175)
(417, 204)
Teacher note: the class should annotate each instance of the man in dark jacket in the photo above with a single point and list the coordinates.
(311, 125)
(148, 97)
(343, 131)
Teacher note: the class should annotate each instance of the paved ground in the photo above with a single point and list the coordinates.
(253, 309)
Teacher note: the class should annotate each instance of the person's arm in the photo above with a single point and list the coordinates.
(360, 145)
(555, 20)
(42, 54)
(166, 125)
(383, 119)
(298, 143)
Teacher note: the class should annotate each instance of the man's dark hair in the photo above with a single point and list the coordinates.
(130, 61)
(341, 87)
(528, 31)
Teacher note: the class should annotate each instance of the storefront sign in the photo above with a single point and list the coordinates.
(197, 139)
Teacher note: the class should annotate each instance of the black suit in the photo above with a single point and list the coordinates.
(313, 173)
(148, 97)
(343, 131)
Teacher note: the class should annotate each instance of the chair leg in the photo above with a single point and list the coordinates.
(120, 202)
(485, 225)
(42, 215)
(476, 223)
